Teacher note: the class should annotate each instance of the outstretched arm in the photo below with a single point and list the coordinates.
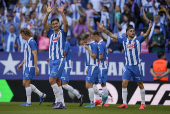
(148, 31)
(49, 10)
(144, 17)
(106, 31)
(60, 9)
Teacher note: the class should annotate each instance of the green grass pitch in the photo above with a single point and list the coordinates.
(72, 108)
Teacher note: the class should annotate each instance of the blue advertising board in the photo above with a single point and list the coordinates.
(10, 61)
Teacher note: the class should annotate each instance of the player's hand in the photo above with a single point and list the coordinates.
(49, 8)
(19, 67)
(86, 47)
(48, 60)
(150, 24)
(60, 8)
(99, 25)
(37, 71)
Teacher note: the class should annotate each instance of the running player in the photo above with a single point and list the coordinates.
(31, 68)
(56, 51)
(132, 47)
(93, 69)
(103, 66)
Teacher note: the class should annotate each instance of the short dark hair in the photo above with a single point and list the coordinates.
(95, 33)
(157, 27)
(55, 19)
(160, 54)
(91, 4)
(86, 36)
(105, 7)
(129, 27)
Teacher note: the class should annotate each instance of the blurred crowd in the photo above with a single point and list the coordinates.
(82, 15)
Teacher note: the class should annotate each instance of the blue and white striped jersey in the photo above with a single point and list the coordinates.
(132, 49)
(93, 46)
(76, 14)
(21, 43)
(57, 44)
(103, 50)
(104, 18)
(10, 40)
(28, 56)
(67, 49)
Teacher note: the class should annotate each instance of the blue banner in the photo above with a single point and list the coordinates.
(10, 61)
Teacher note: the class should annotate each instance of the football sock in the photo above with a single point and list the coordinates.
(28, 94)
(96, 90)
(142, 93)
(91, 95)
(34, 89)
(105, 92)
(61, 94)
(72, 90)
(97, 97)
(56, 92)
(124, 95)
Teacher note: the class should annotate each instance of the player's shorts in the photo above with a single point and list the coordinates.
(56, 68)
(29, 73)
(102, 77)
(133, 71)
(92, 74)
(66, 75)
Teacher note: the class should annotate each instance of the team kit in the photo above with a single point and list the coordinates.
(96, 59)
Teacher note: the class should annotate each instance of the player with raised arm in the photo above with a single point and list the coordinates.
(31, 68)
(93, 69)
(132, 47)
(56, 52)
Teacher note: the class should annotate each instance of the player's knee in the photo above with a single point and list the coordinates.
(140, 84)
(52, 82)
(124, 85)
(23, 83)
(65, 86)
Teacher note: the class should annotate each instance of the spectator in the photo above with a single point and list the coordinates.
(81, 48)
(10, 22)
(26, 3)
(73, 10)
(127, 21)
(157, 41)
(69, 24)
(21, 44)
(107, 3)
(1, 35)
(82, 25)
(33, 22)
(12, 3)
(115, 47)
(39, 6)
(121, 3)
(9, 38)
(16, 19)
(3, 14)
(2, 4)
(144, 45)
(43, 41)
(117, 18)
(155, 23)
(105, 17)
(160, 68)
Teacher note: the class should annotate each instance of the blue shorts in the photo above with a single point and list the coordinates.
(92, 74)
(56, 68)
(66, 75)
(29, 73)
(133, 71)
(102, 77)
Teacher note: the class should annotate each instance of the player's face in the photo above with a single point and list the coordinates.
(131, 33)
(55, 25)
(23, 36)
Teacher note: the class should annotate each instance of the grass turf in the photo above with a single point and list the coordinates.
(72, 108)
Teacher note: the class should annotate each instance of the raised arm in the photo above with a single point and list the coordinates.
(3, 28)
(88, 26)
(106, 31)
(148, 31)
(49, 10)
(60, 9)
(144, 17)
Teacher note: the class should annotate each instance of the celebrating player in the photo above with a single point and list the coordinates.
(56, 51)
(103, 66)
(31, 68)
(93, 69)
(132, 47)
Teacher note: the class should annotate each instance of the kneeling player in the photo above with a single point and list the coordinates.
(31, 68)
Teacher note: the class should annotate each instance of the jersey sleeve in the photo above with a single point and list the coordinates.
(101, 49)
(50, 32)
(33, 45)
(94, 48)
(120, 39)
(140, 39)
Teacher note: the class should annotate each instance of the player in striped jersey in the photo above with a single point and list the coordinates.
(56, 52)
(132, 47)
(93, 69)
(31, 68)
